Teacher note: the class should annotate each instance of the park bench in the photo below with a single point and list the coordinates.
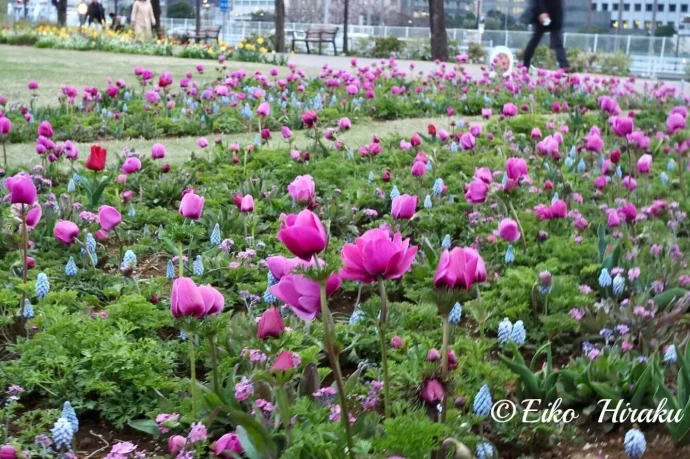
(205, 34)
(317, 34)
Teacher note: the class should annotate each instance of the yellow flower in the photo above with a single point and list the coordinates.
(260, 40)
(240, 46)
(263, 50)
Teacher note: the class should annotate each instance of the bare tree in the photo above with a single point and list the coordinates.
(346, 13)
(439, 36)
(280, 26)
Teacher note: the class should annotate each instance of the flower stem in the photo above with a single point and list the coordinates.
(192, 382)
(180, 260)
(517, 219)
(384, 353)
(335, 365)
(283, 405)
(680, 175)
(214, 363)
(25, 265)
(444, 362)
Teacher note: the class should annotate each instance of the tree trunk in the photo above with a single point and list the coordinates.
(346, 14)
(279, 21)
(198, 19)
(62, 12)
(156, 5)
(439, 36)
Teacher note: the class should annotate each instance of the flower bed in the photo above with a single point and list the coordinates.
(344, 300)
(90, 39)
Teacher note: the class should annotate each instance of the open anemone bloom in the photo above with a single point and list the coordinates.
(303, 234)
(375, 254)
(302, 294)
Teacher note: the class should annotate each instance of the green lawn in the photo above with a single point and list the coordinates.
(180, 148)
(55, 68)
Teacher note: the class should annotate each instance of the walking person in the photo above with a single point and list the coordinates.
(143, 18)
(96, 15)
(547, 16)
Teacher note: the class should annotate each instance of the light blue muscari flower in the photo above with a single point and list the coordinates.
(573, 152)
(547, 166)
(510, 255)
(671, 165)
(71, 186)
(271, 279)
(94, 258)
(356, 316)
(455, 315)
(183, 335)
(90, 243)
(427, 202)
(485, 451)
(664, 178)
(568, 162)
(482, 402)
(395, 192)
(429, 166)
(42, 286)
(519, 334)
(453, 147)
(635, 444)
(215, 236)
(505, 330)
(350, 154)
(671, 355)
(71, 268)
(62, 434)
(170, 270)
(147, 231)
(131, 212)
(555, 198)
(581, 166)
(446, 242)
(438, 187)
(619, 172)
(71, 416)
(129, 260)
(202, 119)
(451, 199)
(504, 180)
(618, 285)
(371, 177)
(198, 266)
(28, 312)
(605, 278)
(269, 298)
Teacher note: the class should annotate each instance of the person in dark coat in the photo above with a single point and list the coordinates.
(547, 16)
(96, 14)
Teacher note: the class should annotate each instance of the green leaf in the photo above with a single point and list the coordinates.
(247, 443)
(601, 245)
(352, 380)
(605, 391)
(148, 426)
(665, 299)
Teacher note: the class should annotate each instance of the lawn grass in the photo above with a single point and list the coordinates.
(180, 148)
(55, 68)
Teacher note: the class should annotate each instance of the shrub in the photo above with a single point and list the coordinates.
(477, 53)
(180, 9)
(387, 47)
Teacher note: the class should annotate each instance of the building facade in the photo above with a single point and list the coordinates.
(637, 15)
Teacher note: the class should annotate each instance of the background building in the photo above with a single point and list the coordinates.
(636, 15)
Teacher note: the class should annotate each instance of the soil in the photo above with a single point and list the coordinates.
(96, 438)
